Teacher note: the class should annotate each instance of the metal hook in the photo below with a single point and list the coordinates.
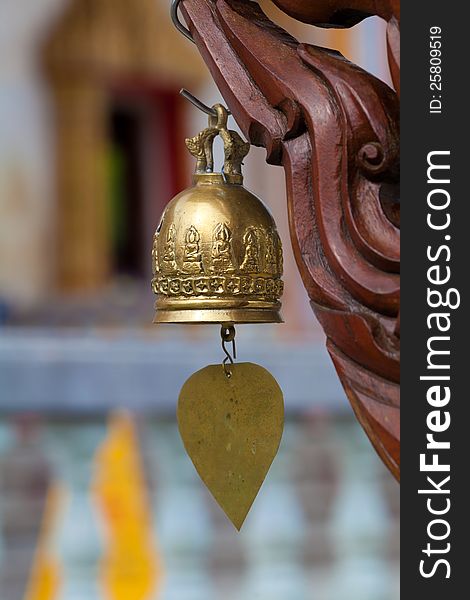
(200, 105)
(227, 333)
(176, 21)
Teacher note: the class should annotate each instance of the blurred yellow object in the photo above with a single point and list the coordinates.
(130, 569)
(45, 577)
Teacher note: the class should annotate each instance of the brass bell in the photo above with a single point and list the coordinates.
(217, 255)
(217, 258)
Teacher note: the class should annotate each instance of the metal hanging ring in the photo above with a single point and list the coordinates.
(219, 120)
(227, 333)
(176, 21)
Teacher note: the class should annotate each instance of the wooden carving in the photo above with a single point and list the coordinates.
(334, 129)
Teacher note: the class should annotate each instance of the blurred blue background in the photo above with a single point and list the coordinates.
(98, 499)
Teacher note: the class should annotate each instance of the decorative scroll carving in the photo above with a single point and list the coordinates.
(235, 150)
(334, 128)
(200, 147)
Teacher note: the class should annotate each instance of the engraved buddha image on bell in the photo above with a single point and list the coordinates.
(217, 256)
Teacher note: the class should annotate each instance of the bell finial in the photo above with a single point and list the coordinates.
(235, 149)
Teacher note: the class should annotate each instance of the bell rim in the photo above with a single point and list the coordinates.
(170, 303)
(203, 316)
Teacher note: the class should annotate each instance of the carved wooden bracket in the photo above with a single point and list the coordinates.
(335, 130)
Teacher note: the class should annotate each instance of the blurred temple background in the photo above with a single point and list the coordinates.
(98, 499)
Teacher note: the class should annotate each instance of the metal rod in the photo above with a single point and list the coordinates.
(197, 103)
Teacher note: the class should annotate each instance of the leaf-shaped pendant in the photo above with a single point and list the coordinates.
(231, 428)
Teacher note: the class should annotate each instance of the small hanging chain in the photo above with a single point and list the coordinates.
(227, 333)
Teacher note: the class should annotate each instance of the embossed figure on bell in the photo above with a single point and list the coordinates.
(221, 254)
(271, 259)
(192, 261)
(251, 262)
(169, 253)
(216, 254)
